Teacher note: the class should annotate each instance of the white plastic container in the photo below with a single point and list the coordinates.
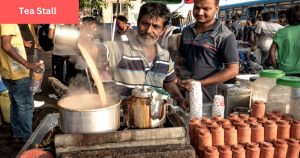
(265, 82)
(285, 96)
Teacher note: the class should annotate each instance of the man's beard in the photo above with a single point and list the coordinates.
(146, 39)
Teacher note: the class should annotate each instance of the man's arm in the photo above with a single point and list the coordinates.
(173, 90)
(230, 71)
(272, 55)
(10, 50)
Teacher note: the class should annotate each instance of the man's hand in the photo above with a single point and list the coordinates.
(184, 103)
(33, 66)
(27, 44)
(187, 84)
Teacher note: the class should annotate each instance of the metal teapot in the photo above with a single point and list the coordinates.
(146, 108)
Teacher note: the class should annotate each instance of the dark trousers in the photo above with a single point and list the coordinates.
(58, 69)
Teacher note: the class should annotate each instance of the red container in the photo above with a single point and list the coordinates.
(204, 139)
(192, 126)
(198, 128)
(211, 152)
(233, 116)
(217, 118)
(252, 120)
(288, 118)
(293, 148)
(281, 148)
(257, 133)
(217, 133)
(224, 122)
(295, 130)
(267, 150)
(244, 117)
(283, 131)
(230, 135)
(238, 151)
(262, 120)
(244, 133)
(253, 150)
(270, 131)
(258, 109)
(225, 151)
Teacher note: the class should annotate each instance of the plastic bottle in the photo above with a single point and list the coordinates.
(37, 78)
(285, 96)
(266, 81)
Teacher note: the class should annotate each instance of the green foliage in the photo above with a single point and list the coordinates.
(97, 4)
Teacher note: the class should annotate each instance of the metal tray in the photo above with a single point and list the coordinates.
(49, 121)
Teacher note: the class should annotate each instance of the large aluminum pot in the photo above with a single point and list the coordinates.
(79, 114)
(66, 35)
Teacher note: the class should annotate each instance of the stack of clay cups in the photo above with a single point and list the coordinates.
(283, 130)
(267, 150)
(225, 151)
(192, 125)
(253, 150)
(295, 130)
(211, 152)
(217, 133)
(258, 109)
(281, 148)
(293, 148)
(238, 151)
(244, 133)
(230, 135)
(257, 132)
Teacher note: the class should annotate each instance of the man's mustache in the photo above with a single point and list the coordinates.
(145, 35)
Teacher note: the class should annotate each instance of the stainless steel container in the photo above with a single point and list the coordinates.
(99, 120)
(235, 95)
(66, 35)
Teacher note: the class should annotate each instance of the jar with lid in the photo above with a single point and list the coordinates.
(285, 96)
(265, 82)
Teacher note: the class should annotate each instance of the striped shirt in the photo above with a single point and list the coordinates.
(131, 68)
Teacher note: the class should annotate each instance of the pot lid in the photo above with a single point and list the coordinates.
(142, 92)
(271, 73)
(289, 81)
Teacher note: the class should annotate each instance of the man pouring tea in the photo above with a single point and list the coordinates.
(140, 61)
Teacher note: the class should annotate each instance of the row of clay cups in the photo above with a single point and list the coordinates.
(280, 149)
(214, 135)
(273, 129)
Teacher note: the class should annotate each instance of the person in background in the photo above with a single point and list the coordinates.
(31, 45)
(247, 31)
(140, 61)
(123, 32)
(207, 51)
(286, 43)
(236, 27)
(60, 56)
(14, 70)
(265, 31)
(228, 22)
(282, 19)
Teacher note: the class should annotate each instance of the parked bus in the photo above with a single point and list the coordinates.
(254, 8)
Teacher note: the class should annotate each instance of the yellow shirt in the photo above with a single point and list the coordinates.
(9, 68)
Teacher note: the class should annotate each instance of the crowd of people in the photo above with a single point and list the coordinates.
(206, 52)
